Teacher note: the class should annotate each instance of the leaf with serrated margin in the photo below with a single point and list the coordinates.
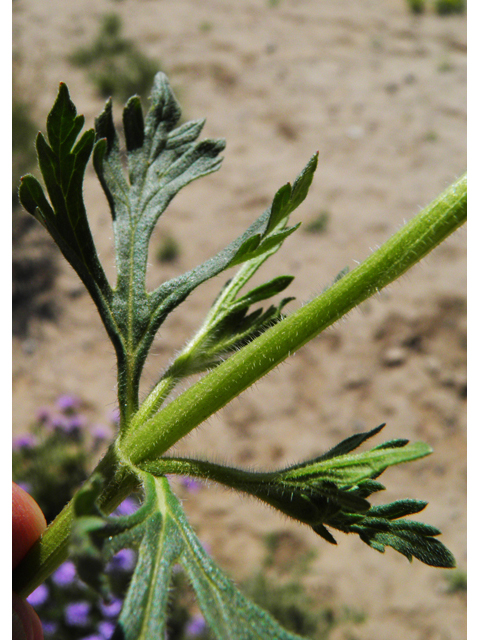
(161, 532)
(380, 527)
(170, 294)
(96, 538)
(346, 469)
(257, 241)
(333, 493)
(286, 200)
(231, 332)
(161, 161)
(63, 164)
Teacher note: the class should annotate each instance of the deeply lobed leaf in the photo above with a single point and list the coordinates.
(332, 490)
(161, 158)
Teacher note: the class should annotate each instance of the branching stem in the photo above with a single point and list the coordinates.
(401, 252)
(156, 435)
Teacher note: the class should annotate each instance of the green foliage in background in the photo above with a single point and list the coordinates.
(168, 250)
(448, 7)
(456, 581)
(115, 65)
(416, 6)
(319, 224)
(441, 7)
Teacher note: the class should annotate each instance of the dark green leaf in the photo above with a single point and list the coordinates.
(367, 487)
(109, 169)
(163, 536)
(63, 163)
(133, 124)
(33, 199)
(302, 184)
(279, 208)
(392, 444)
(350, 444)
(412, 545)
(331, 490)
(397, 509)
(63, 126)
(264, 291)
(49, 166)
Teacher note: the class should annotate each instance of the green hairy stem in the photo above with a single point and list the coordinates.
(236, 345)
(404, 249)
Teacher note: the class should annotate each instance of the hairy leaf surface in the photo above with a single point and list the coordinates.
(164, 538)
(332, 490)
(63, 164)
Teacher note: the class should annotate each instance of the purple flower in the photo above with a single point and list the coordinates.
(191, 485)
(111, 609)
(67, 424)
(124, 560)
(39, 596)
(49, 627)
(127, 507)
(94, 636)
(27, 441)
(76, 614)
(196, 626)
(68, 403)
(65, 574)
(76, 422)
(58, 422)
(73, 424)
(44, 414)
(106, 629)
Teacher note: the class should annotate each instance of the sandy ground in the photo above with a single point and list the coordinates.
(382, 96)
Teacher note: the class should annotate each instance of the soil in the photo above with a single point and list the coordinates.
(381, 94)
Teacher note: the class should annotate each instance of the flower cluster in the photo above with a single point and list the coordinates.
(50, 462)
(55, 456)
(68, 608)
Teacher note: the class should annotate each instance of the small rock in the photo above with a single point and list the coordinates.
(391, 87)
(355, 133)
(394, 357)
(355, 379)
(29, 346)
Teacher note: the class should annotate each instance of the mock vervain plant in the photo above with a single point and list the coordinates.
(233, 348)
